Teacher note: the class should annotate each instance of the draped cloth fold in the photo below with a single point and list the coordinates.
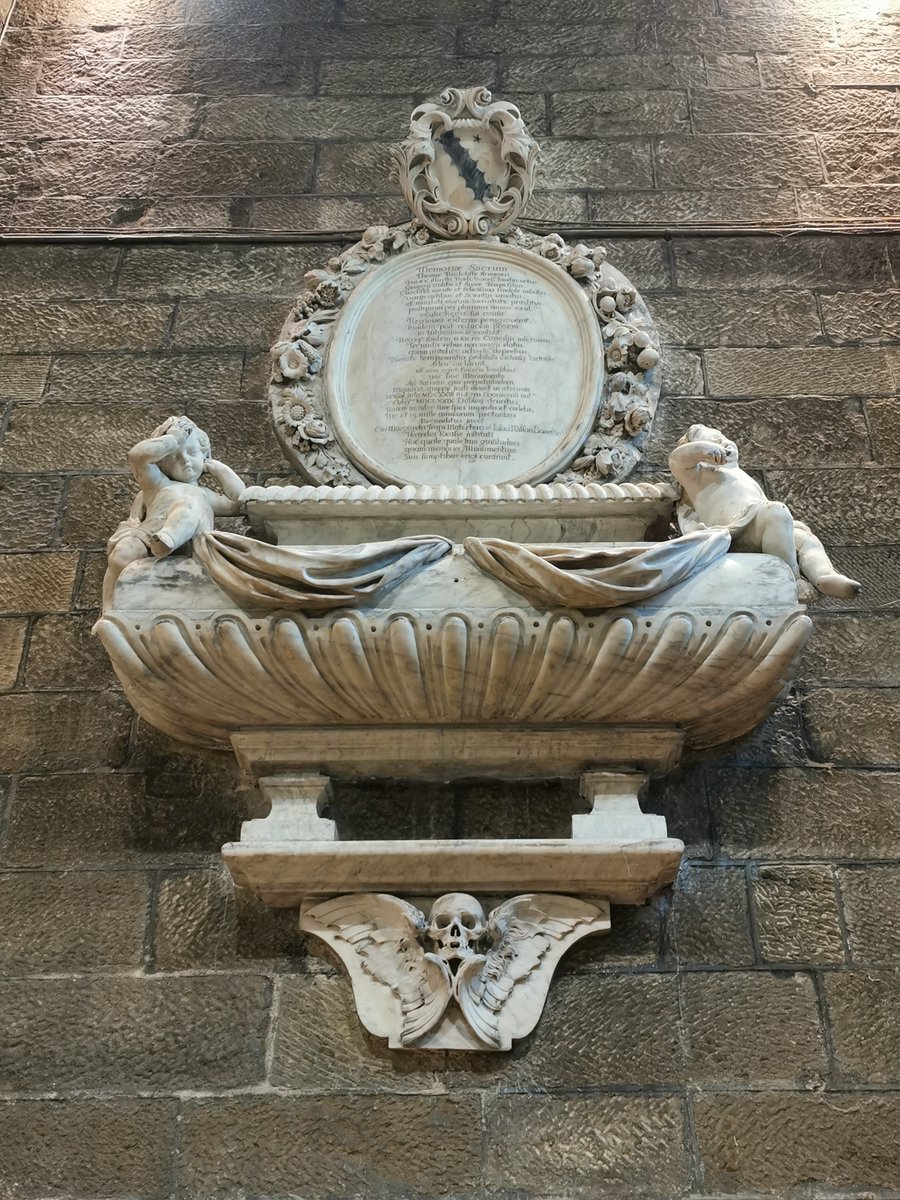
(311, 577)
(591, 577)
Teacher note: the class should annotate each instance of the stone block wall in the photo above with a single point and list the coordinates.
(164, 1036)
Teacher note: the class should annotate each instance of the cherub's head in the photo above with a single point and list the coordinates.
(706, 433)
(184, 465)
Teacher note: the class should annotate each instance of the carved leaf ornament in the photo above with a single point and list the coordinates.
(467, 169)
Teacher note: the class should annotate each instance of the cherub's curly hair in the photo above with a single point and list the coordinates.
(188, 426)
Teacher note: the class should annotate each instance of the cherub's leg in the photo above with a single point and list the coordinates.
(179, 527)
(818, 567)
(777, 534)
(129, 550)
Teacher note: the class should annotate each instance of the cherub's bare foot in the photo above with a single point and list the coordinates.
(806, 593)
(161, 544)
(838, 585)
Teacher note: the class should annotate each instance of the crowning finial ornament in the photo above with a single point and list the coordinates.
(467, 166)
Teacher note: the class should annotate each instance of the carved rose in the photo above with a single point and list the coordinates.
(637, 418)
(313, 429)
(600, 455)
(582, 267)
(371, 244)
(552, 246)
(625, 298)
(617, 355)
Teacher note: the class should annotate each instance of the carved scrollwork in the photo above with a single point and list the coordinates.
(467, 166)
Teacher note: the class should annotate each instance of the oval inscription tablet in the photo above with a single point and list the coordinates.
(464, 363)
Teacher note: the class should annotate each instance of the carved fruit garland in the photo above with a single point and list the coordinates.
(631, 351)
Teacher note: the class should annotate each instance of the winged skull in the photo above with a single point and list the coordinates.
(497, 968)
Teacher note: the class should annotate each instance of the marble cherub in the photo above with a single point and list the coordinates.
(718, 493)
(172, 507)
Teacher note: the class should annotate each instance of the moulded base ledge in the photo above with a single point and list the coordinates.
(282, 874)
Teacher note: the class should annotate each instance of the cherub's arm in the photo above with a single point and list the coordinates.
(231, 484)
(684, 459)
(143, 457)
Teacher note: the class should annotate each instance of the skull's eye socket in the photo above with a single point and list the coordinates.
(468, 920)
(444, 921)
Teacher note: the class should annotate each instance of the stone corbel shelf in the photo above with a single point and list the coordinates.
(551, 512)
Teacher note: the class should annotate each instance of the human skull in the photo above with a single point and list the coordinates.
(456, 925)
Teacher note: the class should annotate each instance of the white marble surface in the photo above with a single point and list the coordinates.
(464, 364)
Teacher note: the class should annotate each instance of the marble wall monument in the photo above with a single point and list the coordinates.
(463, 582)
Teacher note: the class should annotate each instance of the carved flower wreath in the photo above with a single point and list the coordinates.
(631, 353)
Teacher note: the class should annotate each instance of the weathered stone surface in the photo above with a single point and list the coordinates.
(90, 436)
(596, 163)
(136, 119)
(731, 71)
(408, 10)
(867, 202)
(63, 654)
(817, 371)
(636, 1042)
(96, 504)
(86, 1148)
(88, 586)
(420, 74)
(862, 316)
(737, 318)
(681, 797)
(593, 114)
(12, 643)
(104, 819)
(634, 940)
(871, 898)
(120, 214)
(220, 324)
(641, 258)
(73, 921)
(836, 1142)
(36, 582)
(744, 34)
(884, 421)
(329, 212)
(770, 433)
(848, 649)
(558, 208)
(319, 1146)
(779, 741)
(51, 169)
(850, 726)
(119, 79)
(234, 168)
(353, 167)
(599, 1145)
(320, 1045)
(682, 373)
(241, 433)
(709, 922)
(23, 376)
(202, 920)
(220, 270)
(704, 206)
(818, 814)
(848, 67)
(864, 1007)
(125, 1032)
(750, 1026)
(291, 118)
(777, 263)
(57, 271)
(293, 41)
(64, 731)
(796, 915)
(843, 508)
(737, 160)
(86, 325)
(29, 510)
(155, 379)
(604, 71)
(794, 110)
(515, 37)
(849, 162)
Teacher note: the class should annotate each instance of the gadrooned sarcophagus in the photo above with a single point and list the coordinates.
(463, 583)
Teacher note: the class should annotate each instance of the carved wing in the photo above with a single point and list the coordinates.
(502, 993)
(376, 937)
